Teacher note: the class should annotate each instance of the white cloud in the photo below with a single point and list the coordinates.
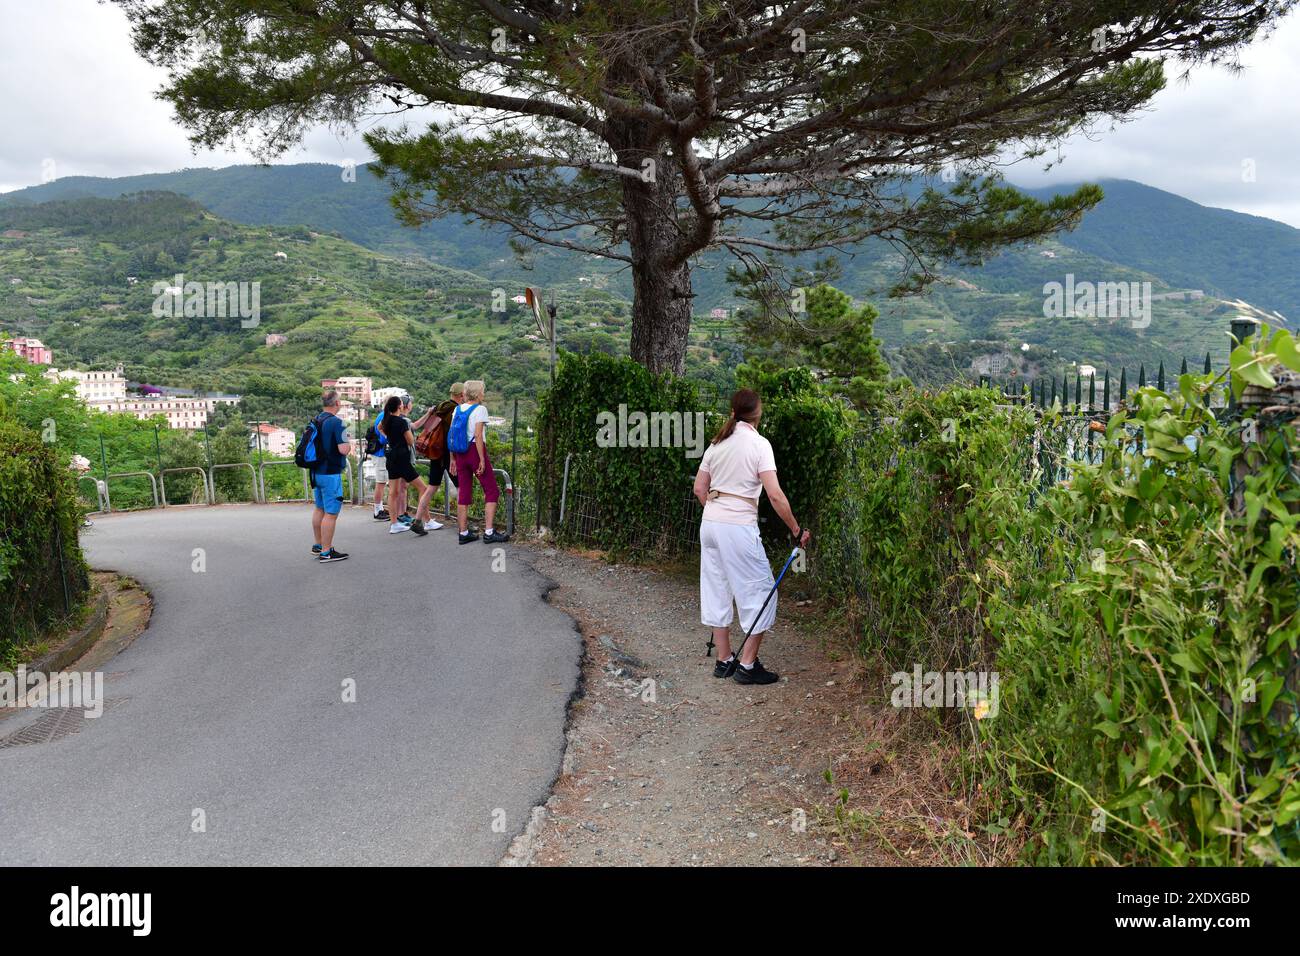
(73, 91)
(1197, 135)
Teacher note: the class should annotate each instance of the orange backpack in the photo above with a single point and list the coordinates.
(432, 441)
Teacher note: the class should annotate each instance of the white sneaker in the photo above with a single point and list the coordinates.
(398, 528)
(432, 525)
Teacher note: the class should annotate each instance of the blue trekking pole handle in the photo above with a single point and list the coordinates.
(788, 561)
(735, 660)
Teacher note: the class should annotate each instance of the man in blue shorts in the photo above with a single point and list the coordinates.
(327, 478)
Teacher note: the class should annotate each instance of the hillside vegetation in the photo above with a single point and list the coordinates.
(358, 293)
(66, 270)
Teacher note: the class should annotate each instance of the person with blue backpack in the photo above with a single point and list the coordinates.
(467, 440)
(375, 447)
(321, 450)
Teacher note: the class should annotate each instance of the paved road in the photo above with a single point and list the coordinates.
(231, 702)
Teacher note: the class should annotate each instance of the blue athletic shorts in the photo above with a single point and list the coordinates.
(329, 493)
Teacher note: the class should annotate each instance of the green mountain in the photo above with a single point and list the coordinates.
(322, 197)
(1227, 254)
(352, 270)
(88, 276)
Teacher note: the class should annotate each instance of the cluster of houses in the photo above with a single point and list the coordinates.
(105, 390)
(357, 400)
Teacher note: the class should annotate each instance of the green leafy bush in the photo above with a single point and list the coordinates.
(641, 497)
(39, 518)
(808, 429)
(933, 491)
(633, 491)
(1142, 616)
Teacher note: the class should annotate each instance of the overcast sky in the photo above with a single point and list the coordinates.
(76, 100)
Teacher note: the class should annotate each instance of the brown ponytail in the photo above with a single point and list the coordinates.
(744, 408)
(390, 408)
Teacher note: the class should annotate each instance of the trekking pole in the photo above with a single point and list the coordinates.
(735, 657)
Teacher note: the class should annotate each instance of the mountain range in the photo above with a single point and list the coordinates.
(1136, 234)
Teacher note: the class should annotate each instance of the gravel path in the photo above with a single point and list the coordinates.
(667, 765)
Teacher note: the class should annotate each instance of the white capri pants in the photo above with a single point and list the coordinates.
(733, 567)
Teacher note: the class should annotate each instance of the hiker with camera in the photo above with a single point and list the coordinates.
(434, 426)
(736, 469)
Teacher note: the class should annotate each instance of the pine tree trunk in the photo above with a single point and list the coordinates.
(661, 300)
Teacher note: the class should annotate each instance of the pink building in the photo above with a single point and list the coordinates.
(274, 440)
(34, 350)
(355, 388)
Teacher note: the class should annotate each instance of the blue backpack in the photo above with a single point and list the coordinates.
(458, 439)
(309, 453)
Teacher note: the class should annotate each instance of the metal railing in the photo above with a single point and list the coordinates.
(355, 491)
(306, 483)
(101, 492)
(153, 482)
(238, 464)
(204, 477)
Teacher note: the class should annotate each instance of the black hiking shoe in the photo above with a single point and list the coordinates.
(418, 527)
(757, 674)
(467, 537)
(333, 554)
(382, 514)
(721, 668)
(495, 537)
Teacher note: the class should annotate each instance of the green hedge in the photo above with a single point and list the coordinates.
(1150, 707)
(635, 490)
(809, 431)
(38, 510)
(642, 495)
(930, 493)
(1144, 630)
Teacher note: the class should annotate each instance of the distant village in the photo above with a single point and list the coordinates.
(107, 390)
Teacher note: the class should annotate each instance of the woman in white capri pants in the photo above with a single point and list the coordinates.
(736, 468)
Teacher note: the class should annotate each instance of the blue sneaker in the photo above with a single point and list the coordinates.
(315, 550)
(405, 519)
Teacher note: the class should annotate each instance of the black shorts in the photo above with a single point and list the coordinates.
(401, 468)
(437, 468)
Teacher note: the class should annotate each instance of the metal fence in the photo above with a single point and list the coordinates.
(585, 518)
(104, 491)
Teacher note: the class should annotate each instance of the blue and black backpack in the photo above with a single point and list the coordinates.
(309, 453)
(458, 439)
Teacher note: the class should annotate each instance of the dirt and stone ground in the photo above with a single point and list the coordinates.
(667, 765)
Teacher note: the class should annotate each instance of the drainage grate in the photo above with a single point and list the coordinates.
(54, 723)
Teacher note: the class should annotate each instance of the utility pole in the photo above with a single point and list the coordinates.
(514, 441)
(551, 311)
(260, 483)
(157, 447)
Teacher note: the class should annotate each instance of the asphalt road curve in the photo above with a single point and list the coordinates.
(227, 738)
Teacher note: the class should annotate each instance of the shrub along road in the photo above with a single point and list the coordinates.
(232, 702)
